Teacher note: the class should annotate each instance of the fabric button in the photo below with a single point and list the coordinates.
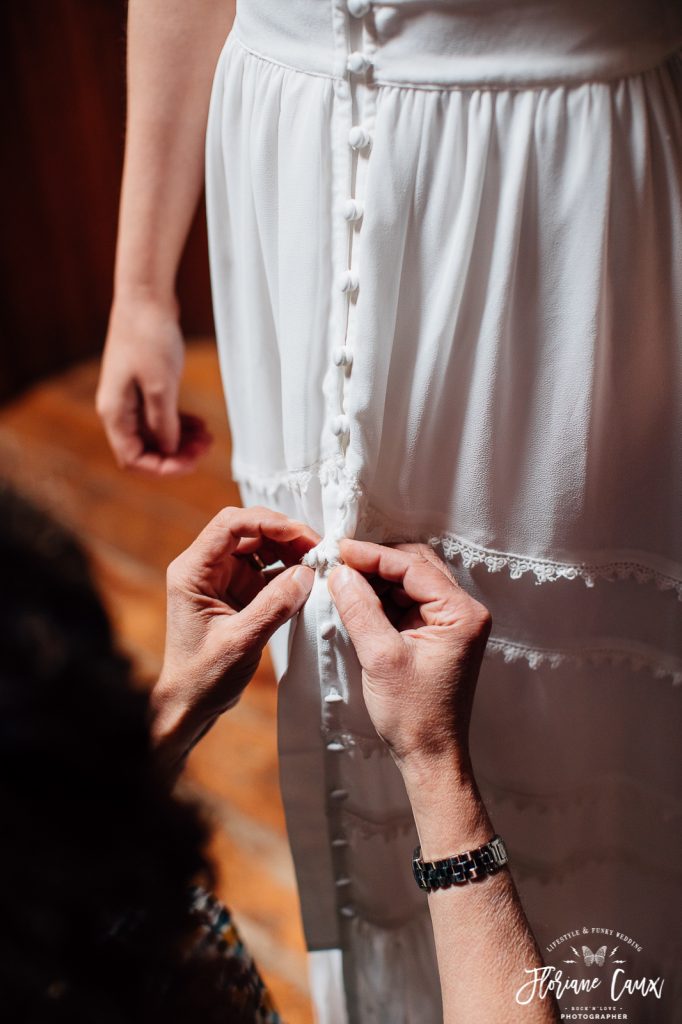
(333, 697)
(340, 425)
(348, 281)
(348, 911)
(342, 356)
(359, 137)
(341, 883)
(327, 629)
(353, 210)
(339, 842)
(358, 8)
(338, 794)
(358, 63)
(335, 747)
(312, 558)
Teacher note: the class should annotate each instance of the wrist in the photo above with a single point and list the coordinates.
(143, 293)
(448, 810)
(175, 725)
(450, 763)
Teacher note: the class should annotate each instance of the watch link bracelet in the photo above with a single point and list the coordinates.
(463, 867)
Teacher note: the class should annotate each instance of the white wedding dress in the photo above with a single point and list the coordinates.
(446, 253)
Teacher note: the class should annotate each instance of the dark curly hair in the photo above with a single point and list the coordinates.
(97, 856)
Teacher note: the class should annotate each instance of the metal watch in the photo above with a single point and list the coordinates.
(463, 867)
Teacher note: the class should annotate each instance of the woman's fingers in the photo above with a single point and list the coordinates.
(270, 551)
(421, 579)
(271, 607)
(245, 583)
(376, 642)
(207, 562)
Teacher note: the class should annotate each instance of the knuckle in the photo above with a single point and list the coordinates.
(176, 573)
(104, 408)
(156, 393)
(227, 514)
(426, 551)
(480, 619)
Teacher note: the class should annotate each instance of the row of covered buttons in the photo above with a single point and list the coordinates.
(339, 795)
(359, 138)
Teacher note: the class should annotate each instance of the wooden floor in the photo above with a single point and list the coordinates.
(52, 447)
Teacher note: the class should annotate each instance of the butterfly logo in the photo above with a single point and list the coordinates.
(590, 959)
(598, 958)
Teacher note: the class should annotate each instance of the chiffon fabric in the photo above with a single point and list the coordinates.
(446, 255)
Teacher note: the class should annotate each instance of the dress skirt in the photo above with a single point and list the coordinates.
(446, 256)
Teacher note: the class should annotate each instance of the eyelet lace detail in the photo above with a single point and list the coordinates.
(633, 657)
(546, 571)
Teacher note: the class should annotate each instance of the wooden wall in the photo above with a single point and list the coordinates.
(62, 109)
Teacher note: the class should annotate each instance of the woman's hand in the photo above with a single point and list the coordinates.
(420, 644)
(137, 397)
(222, 610)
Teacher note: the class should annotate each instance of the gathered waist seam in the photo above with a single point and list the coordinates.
(279, 63)
(389, 83)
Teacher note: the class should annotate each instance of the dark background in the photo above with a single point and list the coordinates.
(62, 111)
(62, 118)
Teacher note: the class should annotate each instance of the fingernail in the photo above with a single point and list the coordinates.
(342, 576)
(305, 576)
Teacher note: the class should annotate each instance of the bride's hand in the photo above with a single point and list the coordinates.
(137, 397)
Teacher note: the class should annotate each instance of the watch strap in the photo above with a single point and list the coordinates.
(471, 866)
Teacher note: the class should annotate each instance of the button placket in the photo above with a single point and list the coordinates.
(359, 62)
(359, 101)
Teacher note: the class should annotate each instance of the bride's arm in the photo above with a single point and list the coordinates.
(173, 47)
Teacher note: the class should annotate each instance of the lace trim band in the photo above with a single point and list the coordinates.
(547, 571)
(635, 658)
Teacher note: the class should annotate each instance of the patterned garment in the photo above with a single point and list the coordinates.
(218, 935)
